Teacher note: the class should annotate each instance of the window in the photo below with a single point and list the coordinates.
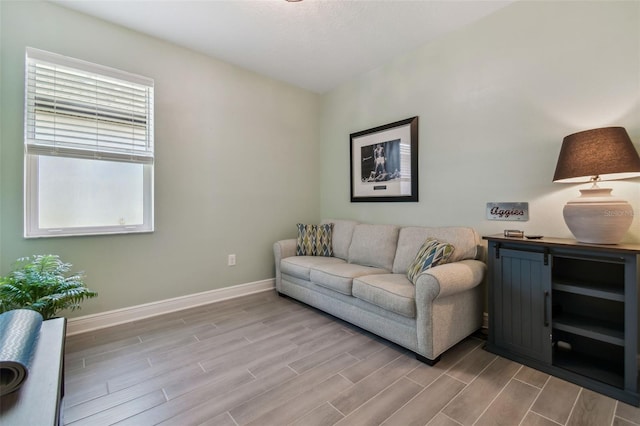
(88, 148)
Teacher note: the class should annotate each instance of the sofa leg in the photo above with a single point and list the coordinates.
(427, 361)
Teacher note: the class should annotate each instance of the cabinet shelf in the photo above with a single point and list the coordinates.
(610, 373)
(590, 289)
(591, 328)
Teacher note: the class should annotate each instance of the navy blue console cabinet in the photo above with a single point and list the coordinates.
(567, 308)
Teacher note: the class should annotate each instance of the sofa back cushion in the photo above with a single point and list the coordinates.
(341, 236)
(374, 245)
(410, 239)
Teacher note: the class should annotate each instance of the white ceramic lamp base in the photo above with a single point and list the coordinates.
(597, 217)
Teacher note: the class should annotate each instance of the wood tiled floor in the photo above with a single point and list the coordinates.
(267, 360)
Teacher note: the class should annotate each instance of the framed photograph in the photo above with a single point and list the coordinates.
(384, 163)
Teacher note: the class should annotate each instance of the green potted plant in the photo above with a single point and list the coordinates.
(42, 283)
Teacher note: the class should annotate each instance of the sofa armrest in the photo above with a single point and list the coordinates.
(284, 248)
(447, 279)
(448, 305)
(281, 250)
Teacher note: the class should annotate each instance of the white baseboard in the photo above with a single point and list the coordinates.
(485, 320)
(133, 313)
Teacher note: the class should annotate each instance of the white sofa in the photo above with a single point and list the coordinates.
(365, 283)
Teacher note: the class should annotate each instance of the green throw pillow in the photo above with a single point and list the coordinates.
(432, 253)
(314, 240)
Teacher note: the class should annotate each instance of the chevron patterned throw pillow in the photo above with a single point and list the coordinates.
(314, 240)
(432, 253)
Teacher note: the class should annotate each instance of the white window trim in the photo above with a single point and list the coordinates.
(33, 151)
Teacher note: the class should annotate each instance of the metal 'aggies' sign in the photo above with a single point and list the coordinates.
(508, 211)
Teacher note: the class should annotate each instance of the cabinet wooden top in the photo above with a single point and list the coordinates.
(566, 243)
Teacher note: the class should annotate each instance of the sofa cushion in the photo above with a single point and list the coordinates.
(341, 237)
(410, 239)
(314, 240)
(393, 292)
(432, 253)
(339, 276)
(374, 245)
(300, 266)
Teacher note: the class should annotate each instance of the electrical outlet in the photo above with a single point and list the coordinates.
(231, 260)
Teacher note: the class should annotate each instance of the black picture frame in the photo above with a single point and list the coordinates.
(384, 163)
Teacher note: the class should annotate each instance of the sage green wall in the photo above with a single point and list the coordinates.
(236, 163)
(240, 157)
(494, 101)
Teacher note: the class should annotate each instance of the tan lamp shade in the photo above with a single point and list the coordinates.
(600, 154)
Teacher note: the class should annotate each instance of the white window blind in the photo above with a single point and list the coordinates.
(78, 109)
(89, 150)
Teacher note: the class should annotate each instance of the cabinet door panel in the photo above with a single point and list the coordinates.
(521, 297)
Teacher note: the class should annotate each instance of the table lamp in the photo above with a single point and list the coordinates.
(594, 155)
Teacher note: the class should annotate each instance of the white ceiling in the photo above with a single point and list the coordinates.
(313, 44)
